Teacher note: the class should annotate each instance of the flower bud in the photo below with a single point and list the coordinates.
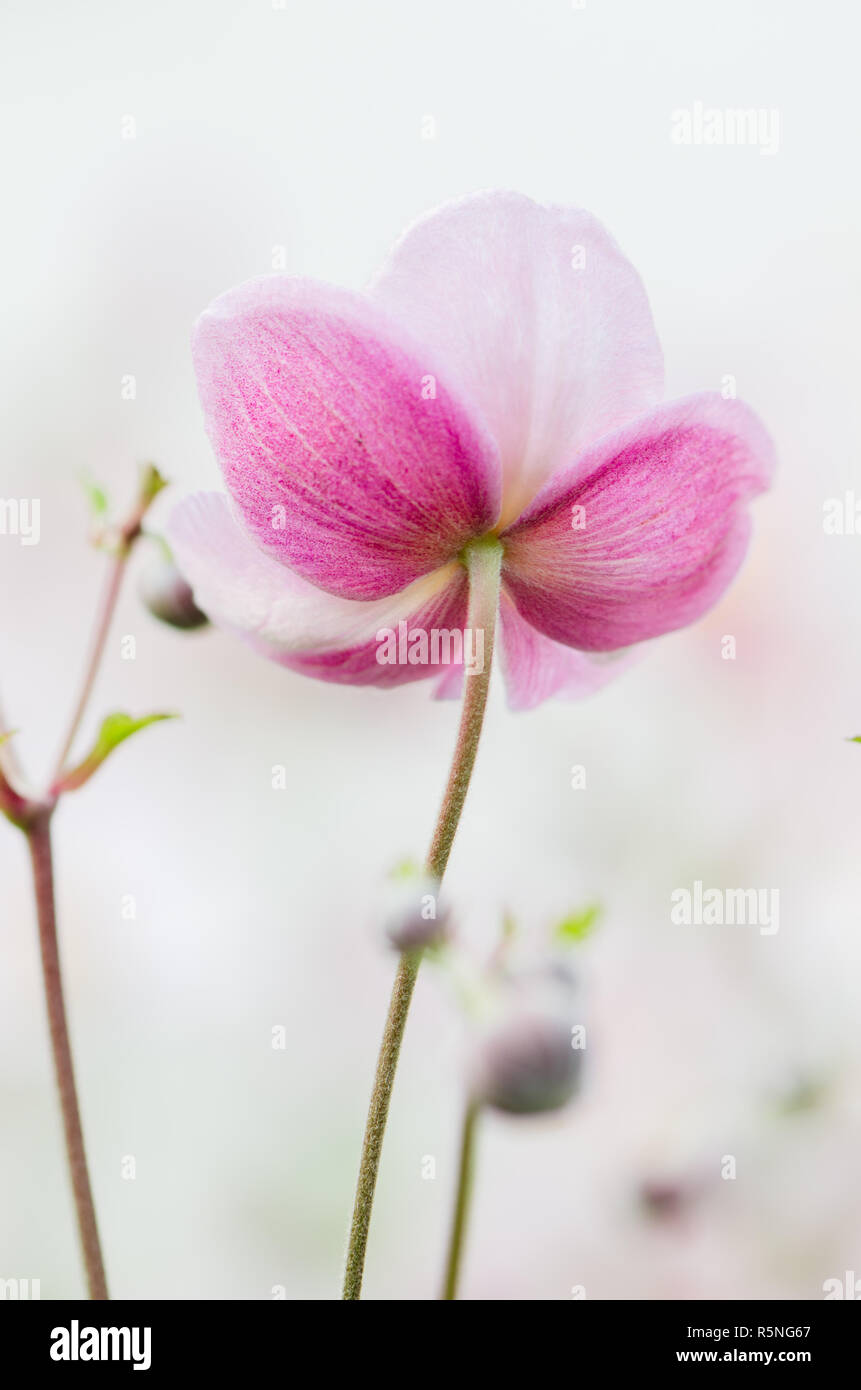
(528, 1058)
(665, 1199)
(168, 596)
(415, 917)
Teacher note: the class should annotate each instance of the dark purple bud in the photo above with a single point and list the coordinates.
(168, 596)
(529, 1060)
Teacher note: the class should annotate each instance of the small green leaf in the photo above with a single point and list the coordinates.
(116, 728)
(856, 739)
(97, 498)
(4, 737)
(578, 925)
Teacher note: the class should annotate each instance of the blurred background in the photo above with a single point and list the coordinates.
(155, 155)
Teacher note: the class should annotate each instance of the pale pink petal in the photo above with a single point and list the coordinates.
(345, 463)
(540, 320)
(291, 621)
(535, 667)
(663, 503)
(450, 685)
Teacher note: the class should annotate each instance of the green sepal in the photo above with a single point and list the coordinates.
(152, 482)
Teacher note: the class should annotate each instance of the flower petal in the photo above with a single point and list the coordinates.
(340, 466)
(535, 667)
(664, 526)
(291, 621)
(541, 321)
(450, 686)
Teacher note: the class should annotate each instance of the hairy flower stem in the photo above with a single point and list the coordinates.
(39, 841)
(119, 541)
(32, 814)
(466, 1169)
(107, 607)
(483, 560)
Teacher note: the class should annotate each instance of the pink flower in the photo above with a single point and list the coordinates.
(501, 375)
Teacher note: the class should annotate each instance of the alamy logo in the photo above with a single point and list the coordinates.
(21, 517)
(717, 907)
(76, 1343)
(841, 516)
(15, 1289)
(847, 1287)
(711, 125)
(441, 646)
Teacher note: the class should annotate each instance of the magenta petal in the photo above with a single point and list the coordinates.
(291, 621)
(664, 526)
(359, 663)
(346, 454)
(542, 322)
(535, 667)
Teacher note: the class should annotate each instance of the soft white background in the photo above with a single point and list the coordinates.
(300, 127)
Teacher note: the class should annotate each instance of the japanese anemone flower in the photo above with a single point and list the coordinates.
(501, 377)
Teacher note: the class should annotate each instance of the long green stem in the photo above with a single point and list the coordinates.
(484, 561)
(107, 608)
(466, 1170)
(39, 840)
